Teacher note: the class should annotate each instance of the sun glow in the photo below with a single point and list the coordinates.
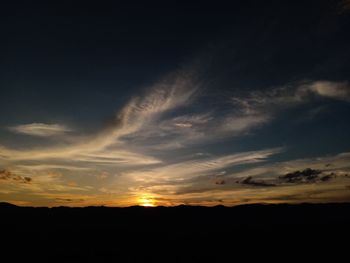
(146, 201)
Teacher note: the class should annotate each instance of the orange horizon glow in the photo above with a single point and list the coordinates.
(146, 201)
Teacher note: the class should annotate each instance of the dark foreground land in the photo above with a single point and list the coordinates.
(176, 234)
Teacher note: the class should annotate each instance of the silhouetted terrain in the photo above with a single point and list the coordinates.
(176, 234)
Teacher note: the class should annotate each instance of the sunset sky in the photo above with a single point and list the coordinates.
(161, 103)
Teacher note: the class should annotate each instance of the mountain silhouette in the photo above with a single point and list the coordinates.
(176, 234)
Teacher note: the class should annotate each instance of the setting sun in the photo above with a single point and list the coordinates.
(146, 201)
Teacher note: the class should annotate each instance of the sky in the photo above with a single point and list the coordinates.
(168, 103)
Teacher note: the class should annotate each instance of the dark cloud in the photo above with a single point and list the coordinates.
(249, 181)
(69, 200)
(327, 177)
(27, 179)
(307, 175)
(220, 182)
(7, 175)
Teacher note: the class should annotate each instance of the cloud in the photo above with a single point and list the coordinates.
(177, 178)
(334, 90)
(307, 175)
(195, 129)
(144, 124)
(324, 169)
(244, 123)
(107, 146)
(48, 167)
(79, 155)
(150, 144)
(257, 108)
(174, 176)
(247, 112)
(69, 199)
(42, 183)
(7, 175)
(183, 125)
(40, 129)
(250, 181)
(174, 132)
(270, 100)
(328, 174)
(103, 175)
(187, 121)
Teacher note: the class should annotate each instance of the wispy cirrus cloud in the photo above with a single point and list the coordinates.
(48, 167)
(40, 129)
(171, 92)
(195, 129)
(140, 144)
(260, 107)
(327, 180)
(143, 123)
(244, 123)
(334, 90)
(290, 94)
(247, 112)
(173, 176)
(338, 164)
(172, 179)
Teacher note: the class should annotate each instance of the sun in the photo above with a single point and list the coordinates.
(146, 201)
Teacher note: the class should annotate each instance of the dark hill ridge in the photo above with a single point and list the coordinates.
(177, 234)
(195, 217)
(6, 205)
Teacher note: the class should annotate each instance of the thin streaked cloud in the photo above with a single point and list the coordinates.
(40, 129)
